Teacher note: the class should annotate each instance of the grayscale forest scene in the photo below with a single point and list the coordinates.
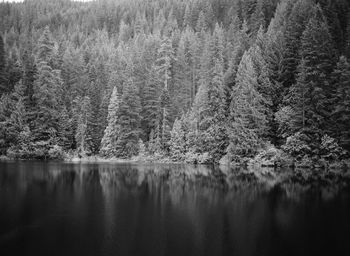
(175, 127)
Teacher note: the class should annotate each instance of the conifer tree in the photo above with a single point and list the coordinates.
(166, 118)
(341, 102)
(247, 112)
(187, 16)
(314, 86)
(182, 79)
(46, 46)
(129, 120)
(295, 26)
(111, 133)
(151, 101)
(3, 79)
(178, 141)
(83, 116)
(202, 25)
(46, 100)
(164, 61)
(66, 129)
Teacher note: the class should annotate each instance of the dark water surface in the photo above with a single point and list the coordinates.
(118, 209)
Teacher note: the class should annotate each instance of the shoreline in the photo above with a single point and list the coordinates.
(344, 164)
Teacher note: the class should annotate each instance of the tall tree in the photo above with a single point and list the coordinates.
(111, 133)
(341, 110)
(247, 112)
(312, 93)
(129, 120)
(83, 117)
(3, 79)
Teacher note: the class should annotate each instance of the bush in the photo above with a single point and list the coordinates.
(330, 150)
(198, 158)
(57, 153)
(297, 146)
(273, 156)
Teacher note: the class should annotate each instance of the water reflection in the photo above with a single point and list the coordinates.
(130, 209)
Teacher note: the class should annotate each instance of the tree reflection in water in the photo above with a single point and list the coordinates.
(134, 209)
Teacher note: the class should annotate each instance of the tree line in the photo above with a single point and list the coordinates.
(191, 80)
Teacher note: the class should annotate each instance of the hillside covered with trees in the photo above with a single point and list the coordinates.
(196, 81)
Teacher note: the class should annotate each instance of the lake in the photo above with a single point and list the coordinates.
(51, 208)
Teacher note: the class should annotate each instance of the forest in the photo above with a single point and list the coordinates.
(199, 81)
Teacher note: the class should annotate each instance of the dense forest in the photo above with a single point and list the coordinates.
(196, 81)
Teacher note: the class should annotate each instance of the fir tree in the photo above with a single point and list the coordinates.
(46, 100)
(83, 116)
(295, 26)
(46, 46)
(178, 141)
(341, 103)
(182, 79)
(151, 102)
(65, 129)
(247, 112)
(129, 120)
(314, 87)
(111, 133)
(3, 78)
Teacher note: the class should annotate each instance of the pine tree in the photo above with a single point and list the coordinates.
(151, 101)
(209, 108)
(124, 32)
(166, 118)
(46, 100)
(139, 23)
(164, 66)
(46, 46)
(341, 102)
(111, 133)
(83, 116)
(202, 25)
(295, 26)
(3, 78)
(29, 74)
(347, 37)
(164, 62)
(314, 86)
(247, 112)
(65, 129)
(182, 79)
(239, 43)
(188, 16)
(178, 141)
(129, 120)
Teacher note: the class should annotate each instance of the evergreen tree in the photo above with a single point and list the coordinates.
(129, 120)
(247, 112)
(341, 102)
(178, 141)
(111, 133)
(166, 119)
(46, 100)
(151, 102)
(182, 79)
(165, 60)
(3, 78)
(295, 26)
(83, 117)
(66, 130)
(310, 96)
(46, 46)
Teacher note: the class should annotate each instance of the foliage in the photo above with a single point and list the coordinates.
(330, 150)
(273, 157)
(297, 145)
(194, 81)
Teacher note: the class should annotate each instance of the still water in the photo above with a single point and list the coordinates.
(124, 209)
